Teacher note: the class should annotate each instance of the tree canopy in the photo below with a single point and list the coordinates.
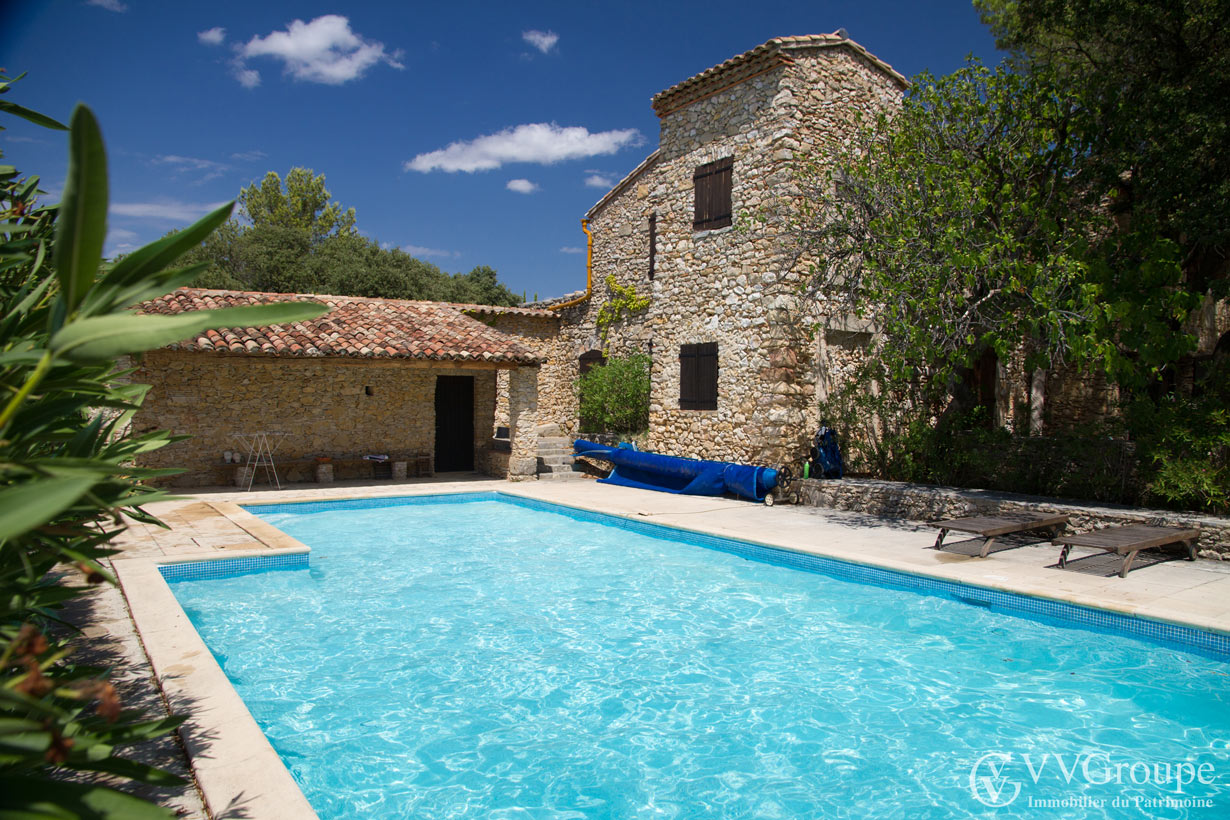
(1070, 205)
(1071, 200)
(291, 238)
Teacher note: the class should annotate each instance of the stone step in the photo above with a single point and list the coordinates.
(553, 460)
(560, 476)
(554, 451)
(555, 441)
(555, 468)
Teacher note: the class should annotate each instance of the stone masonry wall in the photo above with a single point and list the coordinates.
(542, 336)
(321, 403)
(735, 286)
(522, 421)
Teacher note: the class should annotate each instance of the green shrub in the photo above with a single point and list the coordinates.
(66, 469)
(1184, 444)
(614, 398)
(1172, 452)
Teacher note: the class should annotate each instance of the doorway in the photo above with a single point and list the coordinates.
(454, 423)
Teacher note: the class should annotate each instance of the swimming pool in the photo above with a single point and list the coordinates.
(479, 655)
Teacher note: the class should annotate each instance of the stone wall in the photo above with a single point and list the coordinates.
(522, 421)
(540, 334)
(735, 286)
(323, 404)
(918, 502)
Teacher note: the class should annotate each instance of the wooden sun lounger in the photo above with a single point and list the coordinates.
(1128, 541)
(990, 527)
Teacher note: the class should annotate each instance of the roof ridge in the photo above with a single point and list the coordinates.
(766, 50)
(368, 327)
(352, 298)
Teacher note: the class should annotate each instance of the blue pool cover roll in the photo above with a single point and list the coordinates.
(672, 474)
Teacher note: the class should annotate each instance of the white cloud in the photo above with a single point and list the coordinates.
(570, 249)
(212, 36)
(322, 51)
(209, 168)
(121, 240)
(521, 186)
(248, 77)
(596, 180)
(544, 41)
(121, 235)
(419, 250)
(165, 210)
(109, 5)
(542, 143)
(193, 163)
(249, 156)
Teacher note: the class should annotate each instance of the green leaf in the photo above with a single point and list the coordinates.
(131, 769)
(26, 506)
(36, 798)
(152, 286)
(107, 337)
(82, 225)
(135, 277)
(33, 116)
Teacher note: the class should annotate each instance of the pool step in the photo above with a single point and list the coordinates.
(555, 459)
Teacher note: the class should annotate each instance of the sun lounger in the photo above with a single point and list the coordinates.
(1128, 541)
(990, 527)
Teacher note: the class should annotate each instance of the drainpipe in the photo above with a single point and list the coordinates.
(589, 270)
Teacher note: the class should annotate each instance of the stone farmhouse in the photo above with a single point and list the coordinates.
(737, 373)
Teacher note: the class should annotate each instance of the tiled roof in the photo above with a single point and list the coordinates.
(750, 63)
(502, 310)
(355, 327)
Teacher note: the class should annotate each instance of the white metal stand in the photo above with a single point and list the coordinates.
(260, 454)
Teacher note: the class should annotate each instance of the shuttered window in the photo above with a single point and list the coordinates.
(712, 184)
(698, 376)
(591, 359)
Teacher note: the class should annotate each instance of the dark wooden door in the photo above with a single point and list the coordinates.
(454, 423)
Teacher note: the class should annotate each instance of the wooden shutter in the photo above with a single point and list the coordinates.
(653, 242)
(698, 376)
(707, 376)
(712, 183)
(687, 377)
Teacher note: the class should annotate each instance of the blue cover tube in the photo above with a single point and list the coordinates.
(672, 474)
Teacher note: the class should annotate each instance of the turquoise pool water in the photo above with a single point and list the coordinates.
(486, 660)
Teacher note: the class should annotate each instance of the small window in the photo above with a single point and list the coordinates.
(698, 376)
(591, 359)
(712, 183)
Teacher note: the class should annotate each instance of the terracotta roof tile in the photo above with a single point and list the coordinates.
(355, 327)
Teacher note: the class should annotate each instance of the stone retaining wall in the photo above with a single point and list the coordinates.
(926, 503)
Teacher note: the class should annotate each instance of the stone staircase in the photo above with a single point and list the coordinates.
(555, 459)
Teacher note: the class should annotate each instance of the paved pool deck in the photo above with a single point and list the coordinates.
(237, 769)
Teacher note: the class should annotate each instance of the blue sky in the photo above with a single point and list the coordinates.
(466, 133)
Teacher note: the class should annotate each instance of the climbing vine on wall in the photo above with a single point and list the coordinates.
(623, 300)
